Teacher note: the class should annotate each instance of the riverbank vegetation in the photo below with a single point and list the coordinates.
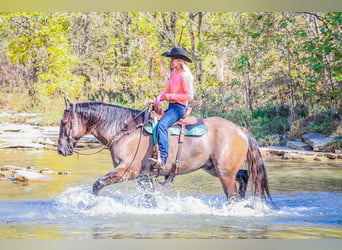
(278, 74)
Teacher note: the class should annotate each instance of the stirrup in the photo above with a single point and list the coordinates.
(156, 165)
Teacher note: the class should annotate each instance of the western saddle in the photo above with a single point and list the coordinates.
(158, 112)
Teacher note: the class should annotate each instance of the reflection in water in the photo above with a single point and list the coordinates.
(309, 196)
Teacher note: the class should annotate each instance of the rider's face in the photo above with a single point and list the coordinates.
(175, 63)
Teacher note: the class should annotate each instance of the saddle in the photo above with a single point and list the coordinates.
(192, 126)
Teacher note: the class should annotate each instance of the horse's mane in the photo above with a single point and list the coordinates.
(107, 116)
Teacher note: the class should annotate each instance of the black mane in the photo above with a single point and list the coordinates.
(108, 116)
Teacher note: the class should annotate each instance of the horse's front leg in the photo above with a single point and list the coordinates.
(121, 173)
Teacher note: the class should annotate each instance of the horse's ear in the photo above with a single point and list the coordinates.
(67, 104)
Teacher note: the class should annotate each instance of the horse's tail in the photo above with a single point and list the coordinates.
(256, 169)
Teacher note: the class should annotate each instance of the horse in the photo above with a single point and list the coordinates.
(220, 152)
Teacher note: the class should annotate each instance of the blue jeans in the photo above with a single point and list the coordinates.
(173, 114)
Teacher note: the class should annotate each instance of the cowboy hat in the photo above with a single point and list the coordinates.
(177, 53)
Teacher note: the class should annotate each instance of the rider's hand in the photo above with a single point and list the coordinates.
(168, 97)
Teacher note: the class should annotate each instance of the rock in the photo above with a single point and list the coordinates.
(275, 152)
(298, 145)
(22, 179)
(65, 173)
(27, 136)
(44, 141)
(8, 168)
(26, 176)
(298, 157)
(12, 130)
(318, 142)
(46, 171)
(334, 156)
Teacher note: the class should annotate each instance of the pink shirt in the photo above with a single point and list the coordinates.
(180, 87)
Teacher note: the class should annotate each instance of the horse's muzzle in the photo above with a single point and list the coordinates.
(64, 151)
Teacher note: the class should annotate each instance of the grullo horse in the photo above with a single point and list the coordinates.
(221, 151)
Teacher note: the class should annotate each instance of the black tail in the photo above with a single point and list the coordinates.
(256, 169)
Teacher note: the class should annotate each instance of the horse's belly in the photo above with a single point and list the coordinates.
(194, 153)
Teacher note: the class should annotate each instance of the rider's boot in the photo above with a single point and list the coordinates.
(156, 164)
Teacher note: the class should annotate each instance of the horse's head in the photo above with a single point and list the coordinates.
(69, 132)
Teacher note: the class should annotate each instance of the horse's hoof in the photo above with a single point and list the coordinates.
(96, 188)
(96, 192)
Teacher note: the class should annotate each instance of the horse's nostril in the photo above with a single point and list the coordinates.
(61, 151)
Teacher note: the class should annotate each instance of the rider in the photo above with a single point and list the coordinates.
(178, 92)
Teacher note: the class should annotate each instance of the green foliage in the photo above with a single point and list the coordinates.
(324, 58)
(270, 119)
(43, 46)
(269, 72)
(322, 120)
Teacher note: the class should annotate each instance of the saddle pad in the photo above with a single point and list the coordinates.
(197, 129)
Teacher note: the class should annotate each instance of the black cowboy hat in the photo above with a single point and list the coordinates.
(177, 53)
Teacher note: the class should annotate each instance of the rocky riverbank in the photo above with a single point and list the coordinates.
(25, 136)
(32, 137)
(286, 153)
(29, 174)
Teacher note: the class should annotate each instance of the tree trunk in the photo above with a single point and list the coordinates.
(247, 87)
(291, 83)
(196, 54)
(193, 42)
(200, 57)
(170, 31)
(173, 19)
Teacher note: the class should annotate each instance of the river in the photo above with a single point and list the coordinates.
(308, 194)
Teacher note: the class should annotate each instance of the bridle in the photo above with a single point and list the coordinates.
(122, 132)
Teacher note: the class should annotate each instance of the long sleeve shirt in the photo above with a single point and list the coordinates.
(181, 88)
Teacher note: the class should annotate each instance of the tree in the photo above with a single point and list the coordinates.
(40, 43)
(324, 56)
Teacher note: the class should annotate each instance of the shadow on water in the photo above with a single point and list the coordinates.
(309, 196)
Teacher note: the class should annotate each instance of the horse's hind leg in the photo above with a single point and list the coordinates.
(227, 169)
(146, 184)
(242, 179)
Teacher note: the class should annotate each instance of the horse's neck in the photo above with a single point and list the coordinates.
(106, 132)
(103, 135)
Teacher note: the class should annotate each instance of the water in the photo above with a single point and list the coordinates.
(309, 197)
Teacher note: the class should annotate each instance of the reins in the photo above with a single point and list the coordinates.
(116, 137)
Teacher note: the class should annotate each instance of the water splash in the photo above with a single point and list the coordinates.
(113, 203)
